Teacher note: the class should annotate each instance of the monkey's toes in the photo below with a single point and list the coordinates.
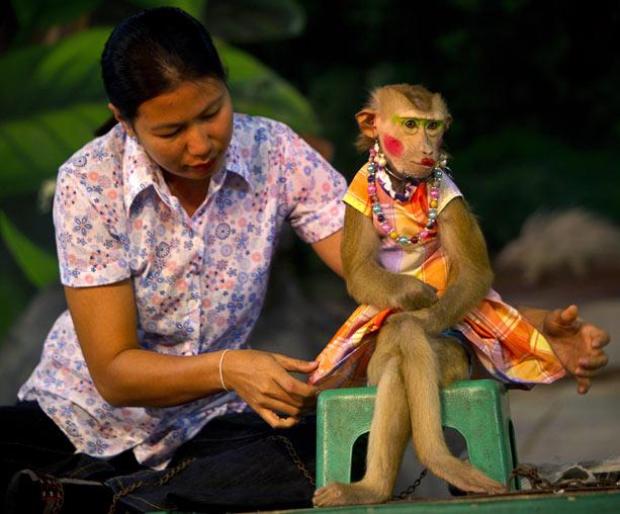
(346, 494)
(331, 494)
(478, 483)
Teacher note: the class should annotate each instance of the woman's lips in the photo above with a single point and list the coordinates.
(205, 166)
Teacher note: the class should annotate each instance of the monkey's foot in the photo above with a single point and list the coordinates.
(464, 476)
(347, 494)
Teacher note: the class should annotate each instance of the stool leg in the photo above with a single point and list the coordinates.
(480, 413)
(343, 415)
(388, 437)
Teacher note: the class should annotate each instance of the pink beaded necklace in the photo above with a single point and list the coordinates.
(377, 164)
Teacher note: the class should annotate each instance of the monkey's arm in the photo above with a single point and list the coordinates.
(367, 281)
(470, 276)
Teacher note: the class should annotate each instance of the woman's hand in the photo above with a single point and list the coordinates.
(263, 380)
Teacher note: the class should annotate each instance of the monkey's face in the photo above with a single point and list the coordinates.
(409, 137)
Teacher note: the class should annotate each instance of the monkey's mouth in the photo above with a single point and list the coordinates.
(427, 161)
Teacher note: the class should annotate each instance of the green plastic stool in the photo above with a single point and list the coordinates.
(478, 409)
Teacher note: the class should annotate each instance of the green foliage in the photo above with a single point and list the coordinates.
(52, 100)
(256, 89)
(35, 15)
(49, 116)
(194, 7)
(40, 267)
(509, 175)
(15, 291)
(249, 21)
(57, 76)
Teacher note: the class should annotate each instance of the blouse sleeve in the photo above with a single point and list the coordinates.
(314, 190)
(357, 194)
(90, 230)
(449, 191)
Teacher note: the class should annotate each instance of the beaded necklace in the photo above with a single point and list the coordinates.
(377, 164)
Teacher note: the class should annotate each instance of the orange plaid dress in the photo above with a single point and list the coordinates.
(508, 346)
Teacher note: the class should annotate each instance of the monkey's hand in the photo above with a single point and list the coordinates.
(411, 294)
(433, 319)
(577, 343)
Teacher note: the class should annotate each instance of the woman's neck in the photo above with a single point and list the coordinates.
(191, 193)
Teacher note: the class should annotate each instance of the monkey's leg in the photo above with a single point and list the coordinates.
(389, 433)
(452, 360)
(421, 375)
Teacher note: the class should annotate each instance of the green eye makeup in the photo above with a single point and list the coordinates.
(412, 124)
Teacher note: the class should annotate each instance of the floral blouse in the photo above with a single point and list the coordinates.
(199, 281)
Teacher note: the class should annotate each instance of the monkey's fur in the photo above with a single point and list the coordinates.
(412, 359)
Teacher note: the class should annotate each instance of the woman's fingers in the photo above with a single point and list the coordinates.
(292, 364)
(276, 421)
(263, 380)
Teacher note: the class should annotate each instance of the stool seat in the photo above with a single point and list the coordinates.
(477, 409)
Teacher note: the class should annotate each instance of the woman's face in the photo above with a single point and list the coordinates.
(187, 131)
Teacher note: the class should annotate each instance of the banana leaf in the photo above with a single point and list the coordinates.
(40, 267)
(252, 21)
(258, 90)
(37, 15)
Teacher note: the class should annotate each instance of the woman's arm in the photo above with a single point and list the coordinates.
(328, 250)
(127, 375)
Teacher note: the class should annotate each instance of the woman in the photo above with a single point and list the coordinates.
(165, 230)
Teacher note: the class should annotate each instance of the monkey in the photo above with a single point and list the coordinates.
(403, 126)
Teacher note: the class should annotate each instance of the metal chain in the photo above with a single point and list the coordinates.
(539, 483)
(296, 458)
(169, 475)
(408, 493)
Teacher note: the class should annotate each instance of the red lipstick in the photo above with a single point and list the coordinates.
(427, 161)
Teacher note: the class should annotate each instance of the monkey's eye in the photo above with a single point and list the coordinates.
(410, 123)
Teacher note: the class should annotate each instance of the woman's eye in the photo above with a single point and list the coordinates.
(168, 135)
(410, 124)
(209, 115)
(433, 125)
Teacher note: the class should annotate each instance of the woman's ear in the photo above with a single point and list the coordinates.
(366, 122)
(119, 117)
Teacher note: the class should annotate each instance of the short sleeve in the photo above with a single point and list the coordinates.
(449, 191)
(357, 194)
(314, 190)
(92, 247)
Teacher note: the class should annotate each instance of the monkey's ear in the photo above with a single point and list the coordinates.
(366, 122)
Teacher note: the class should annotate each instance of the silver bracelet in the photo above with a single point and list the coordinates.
(220, 369)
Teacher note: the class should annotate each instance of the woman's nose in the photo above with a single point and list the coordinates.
(198, 141)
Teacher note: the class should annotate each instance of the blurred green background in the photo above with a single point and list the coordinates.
(532, 87)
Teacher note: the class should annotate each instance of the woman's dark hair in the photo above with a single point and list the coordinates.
(152, 52)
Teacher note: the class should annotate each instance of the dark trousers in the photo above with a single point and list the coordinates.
(234, 463)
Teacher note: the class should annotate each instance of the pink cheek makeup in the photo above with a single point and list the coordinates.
(392, 145)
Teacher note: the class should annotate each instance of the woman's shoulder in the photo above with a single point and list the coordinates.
(104, 154)
(95, 170)
(252, 130)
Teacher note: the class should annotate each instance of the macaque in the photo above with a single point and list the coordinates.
(413, 250)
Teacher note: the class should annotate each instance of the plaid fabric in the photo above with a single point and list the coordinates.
(509, 347)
